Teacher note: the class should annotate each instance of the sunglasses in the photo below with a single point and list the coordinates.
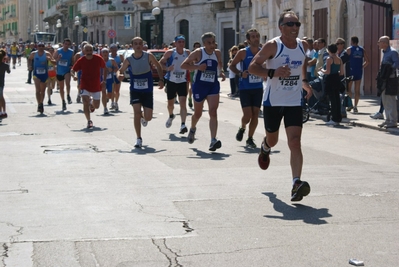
(291, 24)
(339, 43)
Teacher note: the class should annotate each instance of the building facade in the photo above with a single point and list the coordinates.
(109, 21)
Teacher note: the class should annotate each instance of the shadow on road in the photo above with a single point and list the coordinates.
(298, 212)
(208, 155)
(176, 138)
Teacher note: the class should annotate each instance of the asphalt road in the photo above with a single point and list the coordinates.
(76, 197)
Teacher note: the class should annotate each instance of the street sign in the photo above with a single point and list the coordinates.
(111, 34)
(85, 30)
(128, 21)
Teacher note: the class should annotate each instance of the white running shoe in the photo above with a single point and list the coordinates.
(169, 121)
(139, 143)
(144, 122)
(333, 123)
(377, 116)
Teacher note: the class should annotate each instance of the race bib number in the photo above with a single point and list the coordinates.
(208, 76)
(63, 63)
(179, 74)
(289, 83)
(41, 71)
(109, 76)
(140, 83)
(51, 68)
(254, 79)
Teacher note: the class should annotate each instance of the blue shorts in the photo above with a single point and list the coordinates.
(116, 80)
(42, 77)
(201, 92)
(146, 99)
(357, 75)
(109, 84)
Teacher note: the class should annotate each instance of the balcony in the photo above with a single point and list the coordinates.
(51, 13)
(96, 8)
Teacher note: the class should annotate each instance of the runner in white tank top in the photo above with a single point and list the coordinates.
(286, 72)
(176, 80)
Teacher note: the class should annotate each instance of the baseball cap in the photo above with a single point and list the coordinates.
(113, 46)
(180, 37)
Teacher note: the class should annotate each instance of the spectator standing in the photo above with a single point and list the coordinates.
(358, 61)
(388, 82)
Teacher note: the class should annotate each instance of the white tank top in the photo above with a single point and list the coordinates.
(177, 75)
(288, 91)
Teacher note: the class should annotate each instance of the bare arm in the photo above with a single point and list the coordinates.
(165, 59)
(366, 59)
(240, 56)
(120, 73)
(220, 64)
(328, 66)
(188, 63)
(155, 62)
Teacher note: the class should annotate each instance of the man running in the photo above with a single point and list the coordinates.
(64, 57)
(250, 87)
(92, 67)
(176, 79)
(39, 66)
(285, 58)
(117, 84)
(141, 85)
(112, 67)
(207, 64)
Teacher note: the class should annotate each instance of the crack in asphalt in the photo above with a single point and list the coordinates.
(170, 255)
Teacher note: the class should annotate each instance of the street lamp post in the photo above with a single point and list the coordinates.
(155, 12)
(59, 25)
(77, 23)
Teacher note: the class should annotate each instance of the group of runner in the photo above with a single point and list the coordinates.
(282, 61)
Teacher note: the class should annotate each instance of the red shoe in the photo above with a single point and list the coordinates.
(264, 158)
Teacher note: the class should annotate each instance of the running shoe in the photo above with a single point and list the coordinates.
(40, 108)
(349, 108)
(64, 105)
(139, 143)
(69, 99)
(191, 136)
(170, 120)
(49, 102)
(144, 122)
(251, 143)
(3, 115)
(78, 99)
(112, 106)
(377, 116)
(116, 106)
(90, 124)
(190, 102)
(106, 112)
(215, 144)
(264, 158)
(240, 134)
(183, 129)
(355, 110)
(299, 190)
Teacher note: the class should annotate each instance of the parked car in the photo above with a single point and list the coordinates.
(158, 53)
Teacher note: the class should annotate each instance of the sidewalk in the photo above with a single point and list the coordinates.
(368, 105)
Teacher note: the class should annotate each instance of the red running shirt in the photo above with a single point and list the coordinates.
(91, 72)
